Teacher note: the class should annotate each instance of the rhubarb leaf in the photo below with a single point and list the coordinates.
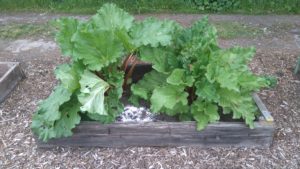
(67, 27)
(92, 93)
(144, 88)
(69, 75)
(97, 49)
(168, 96)
(110, 17)
(48, 113)
(153, 32)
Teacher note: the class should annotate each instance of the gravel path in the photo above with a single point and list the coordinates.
(18, 149)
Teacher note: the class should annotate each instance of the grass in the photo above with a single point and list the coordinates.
(17, 31)
(269, 6)
(149, 6)
(226, 30)
(91, 6)
(231, 30)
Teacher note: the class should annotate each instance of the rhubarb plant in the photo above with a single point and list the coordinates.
(192, 77)
(91, 85)
(197, 80)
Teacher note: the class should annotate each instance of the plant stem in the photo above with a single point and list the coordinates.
(126, 61)
(98, 74)
(129, 74)
(192, 96)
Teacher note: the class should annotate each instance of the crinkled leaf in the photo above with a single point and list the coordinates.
(113, 108)
(125, 39)
(179, 77)
(69, 75)
(153, 32)
(204, 113)
(200, 32)
(241, 105)
(92, 93)
(144, 88)
(41, 127)
(48, 112)
(111, 17)
(50, 106)
(115, 79)
(207, 90)
(159, 57)
(97, 49)
(179, 108)
(67, 27)
(228, 65)
(69, 118)
(168, 96)
(250, 82)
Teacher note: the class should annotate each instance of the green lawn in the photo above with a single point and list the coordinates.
(226, 30)
(151, 6)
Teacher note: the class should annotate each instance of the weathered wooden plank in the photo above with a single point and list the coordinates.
(173, 128)
(129, 140)
(10, 77)
(179, 134)
(263, 109)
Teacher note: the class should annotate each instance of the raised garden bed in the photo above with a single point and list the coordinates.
(10, 75)
(227, 132)
(193, 79)
(236, 134)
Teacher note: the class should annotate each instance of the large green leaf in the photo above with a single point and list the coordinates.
(206, 90)
(48, 112)
(241, 104)
(145, 86)
(200, 32)
(159, 57)
(179, 109)
(69, 118)
(97, 48)
(153, 32)
(92, 93)
(227, 66)
(125, 39)
(251, 82)
(204, 113)
(61, 127)
(50, 106)
(111, 17)
(115, 78)
(42, 127)
(180, 77)
(67, 27)
(168, 96)
(69, 75)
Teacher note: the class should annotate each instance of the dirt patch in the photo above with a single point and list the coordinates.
(3, 69)
(25, 45)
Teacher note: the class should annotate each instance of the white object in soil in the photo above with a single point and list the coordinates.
(25, 45)
(135, 114)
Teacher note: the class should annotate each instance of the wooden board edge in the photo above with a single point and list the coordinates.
(10, 79)
(263, 109)
(261, 139)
